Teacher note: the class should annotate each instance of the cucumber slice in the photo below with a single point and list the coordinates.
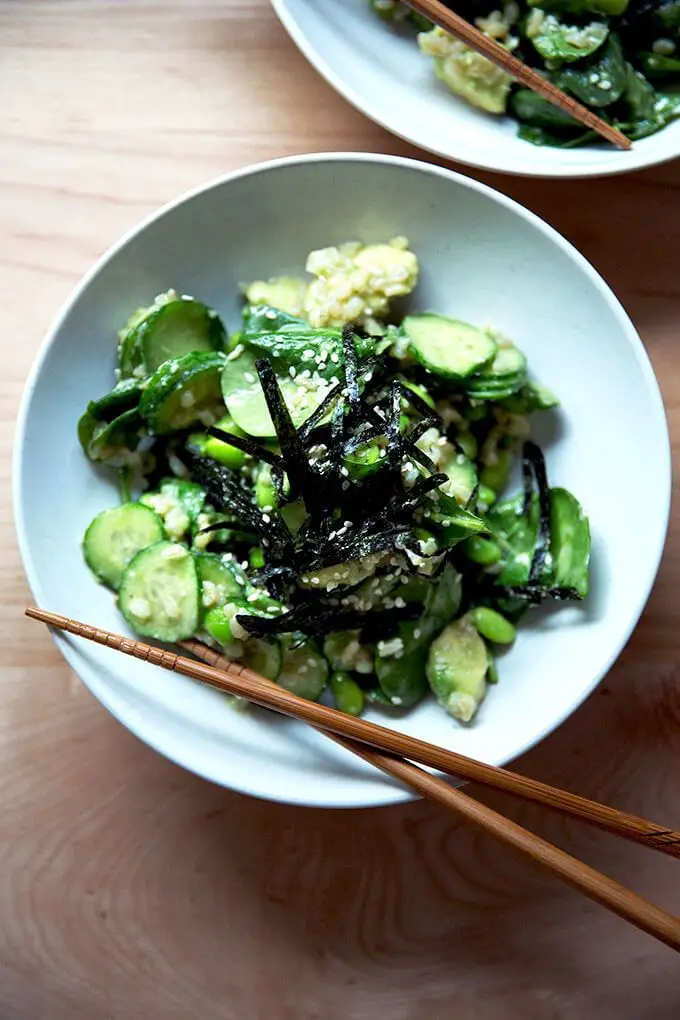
(450, 348)
(264, 657)
(183, 391)
(505, 375)
(402, 679)
(457, 665)
(304, 672)
(179, 328)
(115, 537)
(226, 576)
(172, 330)
(160, 592)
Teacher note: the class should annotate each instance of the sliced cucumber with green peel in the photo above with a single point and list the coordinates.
(171, 330)
(457, 665)
(263, 657)
(160, 591)
(183, 390)
(304, 672)
(227, 576)
(448, 347)
(506, 374)
(115, 537)
(179, 328)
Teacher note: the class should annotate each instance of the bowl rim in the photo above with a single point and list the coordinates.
(72, 653)
(630, 161)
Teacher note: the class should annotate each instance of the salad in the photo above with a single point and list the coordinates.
(620, 58)
(321, 493)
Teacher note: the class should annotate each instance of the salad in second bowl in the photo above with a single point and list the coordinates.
(620, 58)
(321, 493)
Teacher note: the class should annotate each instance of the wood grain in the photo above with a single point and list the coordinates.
(129, 889)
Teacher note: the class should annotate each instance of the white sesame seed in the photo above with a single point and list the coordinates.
(249, 377)
(335, 357)
(292, 372)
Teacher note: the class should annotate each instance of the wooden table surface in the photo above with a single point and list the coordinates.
(130, 889)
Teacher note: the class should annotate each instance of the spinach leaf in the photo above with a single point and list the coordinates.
(599, 80)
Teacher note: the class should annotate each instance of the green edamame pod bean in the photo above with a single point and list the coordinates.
(348, 696)
(482, 550)
(486, 495)
(492, 626)
(256, 558)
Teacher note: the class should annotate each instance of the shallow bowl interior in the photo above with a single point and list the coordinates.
(484, 259)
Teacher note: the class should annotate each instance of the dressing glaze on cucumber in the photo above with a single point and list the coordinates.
(321, 494)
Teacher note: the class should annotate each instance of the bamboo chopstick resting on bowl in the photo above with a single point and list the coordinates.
(436, 12)
(243, 682)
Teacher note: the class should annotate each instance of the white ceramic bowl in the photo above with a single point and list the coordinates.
(484, 259)
(382, 73)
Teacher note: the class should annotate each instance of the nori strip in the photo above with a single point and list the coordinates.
(314, 619)
(316, 416)
(246, 445)
(533, 462)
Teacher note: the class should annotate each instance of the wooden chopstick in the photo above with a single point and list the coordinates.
(597, 886)
(440, 15)
(601, 888)
(245, 683)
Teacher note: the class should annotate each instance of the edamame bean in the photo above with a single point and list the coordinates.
(486, 495)
(218, 625)
(482, 550)
(256, 558)
(348, 696)
(265, 493)
(218, 450)
(492, 626)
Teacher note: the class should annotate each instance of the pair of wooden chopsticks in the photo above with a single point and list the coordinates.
(394, 753)
(440, 15)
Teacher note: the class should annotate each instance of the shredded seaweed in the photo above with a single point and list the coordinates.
(533, 467)
(246, 445)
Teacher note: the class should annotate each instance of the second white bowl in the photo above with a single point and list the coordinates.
(382, 73)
